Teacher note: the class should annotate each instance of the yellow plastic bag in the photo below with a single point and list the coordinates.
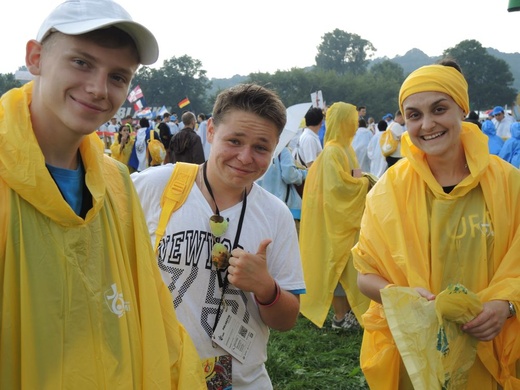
(372, 179)
(388, 143)
(435, 352)
(156, 150)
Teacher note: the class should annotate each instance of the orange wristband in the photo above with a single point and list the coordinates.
(276, 298)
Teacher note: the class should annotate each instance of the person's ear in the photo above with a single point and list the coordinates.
(33, 57)
(210, 131)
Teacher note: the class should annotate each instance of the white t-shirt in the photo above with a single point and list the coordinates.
(398, 131)
(378, 162)
(309, 146)
(203, 127)
(185, 263)
(504, 126)
(113, 128)
(360, 145)
(174, 129)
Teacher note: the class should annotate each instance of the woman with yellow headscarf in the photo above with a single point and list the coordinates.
(447, 214)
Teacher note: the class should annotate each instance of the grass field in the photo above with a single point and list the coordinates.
(311, 358)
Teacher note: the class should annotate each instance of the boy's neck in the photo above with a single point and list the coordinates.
(314, 129)
(225, 196)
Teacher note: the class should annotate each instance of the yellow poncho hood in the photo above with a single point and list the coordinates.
(394, 243)
(333, 203)
(82, 303)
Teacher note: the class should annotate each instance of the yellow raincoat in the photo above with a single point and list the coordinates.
(124, 155)
(82, 303)
(415, 235)
(333, 203)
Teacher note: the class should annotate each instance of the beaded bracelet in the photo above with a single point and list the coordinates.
(276, 298)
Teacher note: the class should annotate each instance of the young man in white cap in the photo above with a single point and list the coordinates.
(82, 303)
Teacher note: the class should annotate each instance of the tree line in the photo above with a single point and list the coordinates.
(343, 72)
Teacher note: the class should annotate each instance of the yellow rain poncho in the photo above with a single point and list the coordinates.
(122, 155)
(415, 235)
(82, 303)
(333, 203)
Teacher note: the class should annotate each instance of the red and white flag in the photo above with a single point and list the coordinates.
(135, 94)
(138, 105)
(317, 100)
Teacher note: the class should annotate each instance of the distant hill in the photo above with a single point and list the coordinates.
(410, 61)
(513, 59)
(220, 84)
(415, 58)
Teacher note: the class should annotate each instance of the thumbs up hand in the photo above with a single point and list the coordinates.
(248, 271)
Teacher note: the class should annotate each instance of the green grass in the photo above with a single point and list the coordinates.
(311, 358)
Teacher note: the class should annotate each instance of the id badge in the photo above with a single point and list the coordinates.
(233, 335)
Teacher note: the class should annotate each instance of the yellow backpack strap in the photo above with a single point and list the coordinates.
(175, 194)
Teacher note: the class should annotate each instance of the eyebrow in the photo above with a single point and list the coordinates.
(91, 58)
(431, 104)
(243, 134)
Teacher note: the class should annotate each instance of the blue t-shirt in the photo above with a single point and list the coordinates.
(71, 183)
(321, 132)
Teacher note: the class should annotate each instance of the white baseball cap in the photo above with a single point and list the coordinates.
(75, 17)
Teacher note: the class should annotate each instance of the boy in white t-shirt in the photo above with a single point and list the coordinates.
(229, 300)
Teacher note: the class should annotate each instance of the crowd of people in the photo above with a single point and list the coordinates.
(127, 140)
(165, 262)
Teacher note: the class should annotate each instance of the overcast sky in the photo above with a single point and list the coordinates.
(239, 37)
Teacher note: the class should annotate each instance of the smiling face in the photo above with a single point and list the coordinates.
(434, 122)
(79, 83)
(242, 146)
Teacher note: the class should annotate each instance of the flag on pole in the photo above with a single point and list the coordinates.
(184, 102)
(138, 105)
(317, 100)
(162, 111)
(135, 94)
(144, 113)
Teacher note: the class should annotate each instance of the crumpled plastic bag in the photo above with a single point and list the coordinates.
(437, 354)
(372, 179)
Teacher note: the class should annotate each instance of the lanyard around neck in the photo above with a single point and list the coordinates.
(224, 283)
(217, 211)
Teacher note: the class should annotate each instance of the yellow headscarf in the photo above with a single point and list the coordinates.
(436, 78)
